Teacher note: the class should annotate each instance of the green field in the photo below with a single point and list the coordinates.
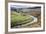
(18, 18)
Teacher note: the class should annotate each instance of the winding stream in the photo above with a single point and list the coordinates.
(34, 20)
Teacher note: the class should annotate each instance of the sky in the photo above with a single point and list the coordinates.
(23, 5)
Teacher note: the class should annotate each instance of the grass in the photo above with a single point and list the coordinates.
(17, 18)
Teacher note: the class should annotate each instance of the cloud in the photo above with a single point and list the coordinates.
(23, 5)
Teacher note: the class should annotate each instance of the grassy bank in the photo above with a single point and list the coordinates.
(18, 19)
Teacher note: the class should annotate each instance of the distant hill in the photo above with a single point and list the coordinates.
(15, 9)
